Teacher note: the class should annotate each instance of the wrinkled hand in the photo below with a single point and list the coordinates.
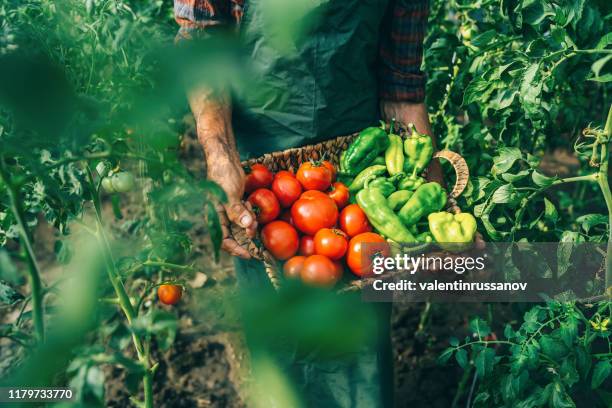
(230, 176)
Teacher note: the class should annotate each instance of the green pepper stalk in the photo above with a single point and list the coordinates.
(454, 233)
(394, 155)
(361, 153)
(428, 198)
(419, 149)
(374, 205)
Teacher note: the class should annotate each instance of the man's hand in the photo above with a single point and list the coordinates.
(214, 126)
(415, 113)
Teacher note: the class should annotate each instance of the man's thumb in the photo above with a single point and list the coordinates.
(239, 214)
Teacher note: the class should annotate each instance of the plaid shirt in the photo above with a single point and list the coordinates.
(401, 44)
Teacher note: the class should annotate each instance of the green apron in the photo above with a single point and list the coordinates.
(319, 85)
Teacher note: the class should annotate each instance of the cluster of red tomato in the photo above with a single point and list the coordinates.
(308, 222)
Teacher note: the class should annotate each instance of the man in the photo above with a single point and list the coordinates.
(357, 62)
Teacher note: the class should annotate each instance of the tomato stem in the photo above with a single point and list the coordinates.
(33, 269)
(142, 350)
(604, 185)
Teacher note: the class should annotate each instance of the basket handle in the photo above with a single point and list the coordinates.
(461, 170)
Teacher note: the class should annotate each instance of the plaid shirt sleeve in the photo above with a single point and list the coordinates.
(197, 17)
(401, 51)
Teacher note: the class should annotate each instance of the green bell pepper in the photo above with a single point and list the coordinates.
(396, 200)
(419, 149)
(361, 153)
(379, 160)
(428, 198)
(368, 173)
(394, 155)
(453, 232)
(383, 184)
(374, 205)
(411, 183)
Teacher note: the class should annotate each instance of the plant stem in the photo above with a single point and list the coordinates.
(122, 296)
(33, 269)
(605, 189)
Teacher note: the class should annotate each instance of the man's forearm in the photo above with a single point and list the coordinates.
(213, 115)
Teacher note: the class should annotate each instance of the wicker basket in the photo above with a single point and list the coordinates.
(291, 159)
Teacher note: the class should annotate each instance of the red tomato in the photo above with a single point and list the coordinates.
(340, 194)
(330, 242)
(331, 169)
(307, 246)
(265, 204)
(353, 220)
(287, 189)
(285, 173)
(314, 210)
(377, 246)
(258, 176)
(314, 176)
(293, 267)
(320, 271)
(169, 294)
(286, 216)
(281, 239)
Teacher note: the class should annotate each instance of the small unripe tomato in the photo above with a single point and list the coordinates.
(120, 182)
(169, 294)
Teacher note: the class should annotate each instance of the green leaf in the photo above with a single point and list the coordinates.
(484, 362)
(588, 221)
(513, 178)
(583, 361)
(454, 341)
(599, 64)
(553, 347)
(530, 88)
(8, 295)
(504, 194)
(505, 159)
(550, 211)
(462, 358)
(485, 38)
(8, 271)
(542, 180)
(214, 228)
(534, 12)
(479, 327)
(445, 356)
(600, 373)
(559, 397)
(604, 41)
(602, 79)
